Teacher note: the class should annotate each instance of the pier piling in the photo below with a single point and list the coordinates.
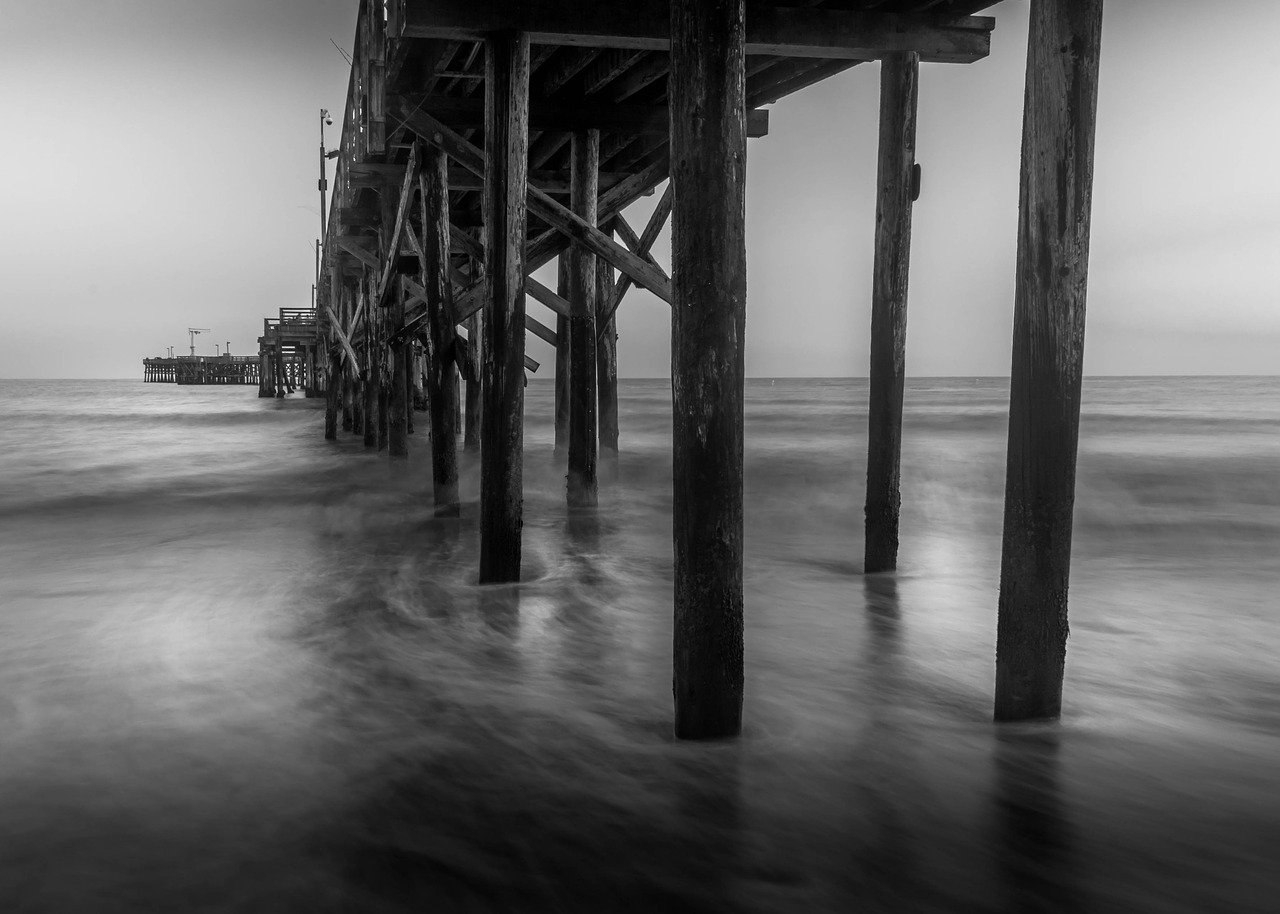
(505, 182)
(899, 78)
(442, 384)
(1054, 205)
(708, 320)
(582, 489)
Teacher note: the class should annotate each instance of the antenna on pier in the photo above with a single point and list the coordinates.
(191, 333)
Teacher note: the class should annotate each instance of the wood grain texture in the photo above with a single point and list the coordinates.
(1056, 190)
(899, 82)
(708, 317)
(505, 187)
(582, 485)
(606, 374)
(442, 389)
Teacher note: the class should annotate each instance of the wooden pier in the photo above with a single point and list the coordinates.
(481, 139)
(202, 369)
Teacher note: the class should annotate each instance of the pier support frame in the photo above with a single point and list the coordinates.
(1054, 205)
(708, 317)
(442, 385)
(899, 81)
(505, 188)
(585, 166)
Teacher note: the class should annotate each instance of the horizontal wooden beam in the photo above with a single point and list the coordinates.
(468, 112)
(645, 25)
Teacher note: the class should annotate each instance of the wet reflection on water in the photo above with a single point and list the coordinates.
(284, 690)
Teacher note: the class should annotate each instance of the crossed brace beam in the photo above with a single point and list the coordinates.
(642, 272)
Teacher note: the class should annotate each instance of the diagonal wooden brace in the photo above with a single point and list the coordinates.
(402, 206)
(644, 244)
(540, 204)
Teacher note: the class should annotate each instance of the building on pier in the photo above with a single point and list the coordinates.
(481, 139)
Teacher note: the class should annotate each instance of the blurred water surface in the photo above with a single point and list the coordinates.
(245, 669)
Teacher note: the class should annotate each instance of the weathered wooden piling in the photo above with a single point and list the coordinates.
(370, 390)
(348, 403)
(899, 79)
(1054, 205)
(333, 395)
(502, 424)
(400, 403)
(474, 397)
(265, 386)
(606, 346)
(564, 366)
(708, 317)
(582, 488)
(442, 389)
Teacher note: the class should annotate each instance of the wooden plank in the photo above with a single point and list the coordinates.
(582, 491)
(506, 181)
(442, 390)
(1054, 205)
(570, 115)
(781, 31)
(547, 209)
(708, 316)
(899, 78)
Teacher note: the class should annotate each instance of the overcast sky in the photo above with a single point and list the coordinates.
(159, 165)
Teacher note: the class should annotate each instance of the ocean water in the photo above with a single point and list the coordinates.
(245, 669)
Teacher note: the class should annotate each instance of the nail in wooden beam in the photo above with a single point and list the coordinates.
(562, 361)
(899, 79)
(505, 187)
(584, 158)
(1054, 204)
(606, 373)
(708, 316)
(442, 390)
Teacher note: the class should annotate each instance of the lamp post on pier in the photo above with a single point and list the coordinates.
(324, 181)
